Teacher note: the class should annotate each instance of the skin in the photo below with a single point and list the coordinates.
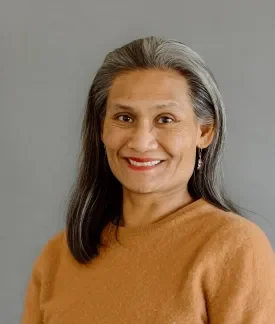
(170, 133)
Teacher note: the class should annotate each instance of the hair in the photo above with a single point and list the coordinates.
(96, 196)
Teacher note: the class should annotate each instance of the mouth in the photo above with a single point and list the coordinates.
(142, 166)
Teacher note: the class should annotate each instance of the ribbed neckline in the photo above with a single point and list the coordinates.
(126, 233)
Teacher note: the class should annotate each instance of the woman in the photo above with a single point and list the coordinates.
(151, 236)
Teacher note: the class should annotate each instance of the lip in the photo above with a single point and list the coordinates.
(142, 159)
(143, 167)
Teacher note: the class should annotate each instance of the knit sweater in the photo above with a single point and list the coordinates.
(197, 265)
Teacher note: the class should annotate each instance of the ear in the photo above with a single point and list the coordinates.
(205, 135)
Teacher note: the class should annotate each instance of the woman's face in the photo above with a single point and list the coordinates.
(149, 115)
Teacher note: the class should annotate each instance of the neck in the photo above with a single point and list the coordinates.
(143, 209)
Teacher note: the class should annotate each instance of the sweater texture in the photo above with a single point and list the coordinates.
(197, 265)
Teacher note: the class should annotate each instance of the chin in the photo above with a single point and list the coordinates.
(141, 189)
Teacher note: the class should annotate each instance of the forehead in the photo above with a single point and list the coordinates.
(149, 85)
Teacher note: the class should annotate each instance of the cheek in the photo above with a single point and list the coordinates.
(113, 138)
(180, 143)
(182, 148)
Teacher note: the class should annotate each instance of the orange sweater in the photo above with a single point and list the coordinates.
(197, 265)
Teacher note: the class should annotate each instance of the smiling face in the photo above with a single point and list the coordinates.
(149, 115)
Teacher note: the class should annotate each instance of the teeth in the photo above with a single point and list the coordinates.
(144, 163)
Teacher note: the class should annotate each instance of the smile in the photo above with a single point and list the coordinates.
(143, 166)
(151, 163)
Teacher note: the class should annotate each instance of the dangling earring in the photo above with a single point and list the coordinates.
(200, 160)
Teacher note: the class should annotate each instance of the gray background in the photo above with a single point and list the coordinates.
(50, 51)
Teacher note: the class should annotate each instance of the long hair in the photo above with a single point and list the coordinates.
(96, 197)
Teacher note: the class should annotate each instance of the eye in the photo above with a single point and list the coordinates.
(125, 118)
(165, 120)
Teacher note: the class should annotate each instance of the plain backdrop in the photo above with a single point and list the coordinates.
(50, 52)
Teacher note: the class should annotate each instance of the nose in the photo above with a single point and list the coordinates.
(142, 138)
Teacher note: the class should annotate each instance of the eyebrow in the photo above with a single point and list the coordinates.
(171, 104)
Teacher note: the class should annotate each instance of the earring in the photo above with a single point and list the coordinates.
(200, 160)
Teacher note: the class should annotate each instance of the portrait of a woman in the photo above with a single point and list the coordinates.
(151, 235)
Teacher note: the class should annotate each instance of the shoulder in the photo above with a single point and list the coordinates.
(51, 253)
(249, 238)
(234, 232)
(239, 268)
(55, 243)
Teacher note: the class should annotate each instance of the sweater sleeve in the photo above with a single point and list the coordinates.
(32, 313)
(243, 287)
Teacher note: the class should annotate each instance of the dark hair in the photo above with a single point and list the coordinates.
(96, 197)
